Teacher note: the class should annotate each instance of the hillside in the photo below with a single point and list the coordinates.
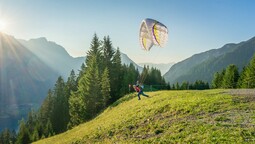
(202, 66)
(24, 81)
(213, 116)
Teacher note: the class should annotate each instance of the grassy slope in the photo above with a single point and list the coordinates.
(210, 116)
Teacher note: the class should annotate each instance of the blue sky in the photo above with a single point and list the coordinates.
(194, 25)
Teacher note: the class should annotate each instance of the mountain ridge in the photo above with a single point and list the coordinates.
(203, 65)
(53, 55)
(62, 61)
(24, 81)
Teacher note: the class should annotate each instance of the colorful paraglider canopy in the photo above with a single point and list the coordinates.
(152, 33)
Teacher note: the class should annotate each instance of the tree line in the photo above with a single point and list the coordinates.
(101, 81)
(154, 81)
(185, 85)
(231, 78)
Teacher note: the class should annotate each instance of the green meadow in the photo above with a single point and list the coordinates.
(209, 116)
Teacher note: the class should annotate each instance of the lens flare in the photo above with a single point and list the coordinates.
(3, 25)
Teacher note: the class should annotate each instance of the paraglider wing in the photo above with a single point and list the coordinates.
(160, 34)
(152, 33)
(145, 37)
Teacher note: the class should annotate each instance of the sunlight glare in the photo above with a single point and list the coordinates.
(2, 25)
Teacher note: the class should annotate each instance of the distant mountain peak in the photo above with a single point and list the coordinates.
(40, 39)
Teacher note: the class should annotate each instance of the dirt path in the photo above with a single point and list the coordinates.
(248, 92)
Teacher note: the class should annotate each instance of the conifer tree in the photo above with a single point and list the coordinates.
(216, 82)
(222, 74)
(93, 98)
(130, 76)
(168, 87)
(200, 85)
(35, 135)
(45, 111)
(116, 76)
(13, 136)
(5, 137)
(95, 51)
(207, 85)
(85, 102)
(71, 84)
(177, 86)
(23, 135)
(184, 85)
(145, 77)
(108, 52)
(8, 137)
(173, 87)
(48, 131)
(191, 86)
(241, 81)
(105, 87)
(125, 81)
(231, 77)
(81, 72)
(249, 74)
(60, 113)
(77, 109)
(31, 121)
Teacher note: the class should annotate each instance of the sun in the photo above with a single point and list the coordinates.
(3, 25)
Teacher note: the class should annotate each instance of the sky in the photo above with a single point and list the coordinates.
(194, 25)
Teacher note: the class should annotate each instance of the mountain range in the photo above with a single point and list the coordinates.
(28, 69)
(57, 57)
(202, 66)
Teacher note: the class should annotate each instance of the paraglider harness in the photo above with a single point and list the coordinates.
(137, 88)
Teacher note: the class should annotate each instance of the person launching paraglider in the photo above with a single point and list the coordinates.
(139, 89)
(151, 33)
